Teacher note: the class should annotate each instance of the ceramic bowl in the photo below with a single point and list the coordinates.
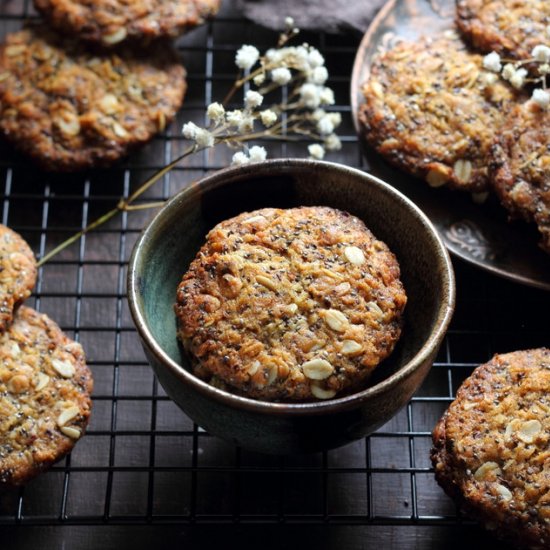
(170, 242)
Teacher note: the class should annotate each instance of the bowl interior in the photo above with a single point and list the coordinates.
(173, 238)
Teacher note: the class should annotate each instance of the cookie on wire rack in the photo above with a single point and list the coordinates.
(17, 274)
(45, 401)
(111, 22)
(491, 448)
(69, 109)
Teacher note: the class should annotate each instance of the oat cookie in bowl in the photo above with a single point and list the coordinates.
(45, 400)
(290, 304)
(171, 242)
(430, 111)
(69, 110)
(491, 447)
(111, 22)
(18, 273)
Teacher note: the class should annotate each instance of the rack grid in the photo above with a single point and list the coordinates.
(142, 461)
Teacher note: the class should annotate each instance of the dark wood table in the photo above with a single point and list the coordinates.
(145, 476)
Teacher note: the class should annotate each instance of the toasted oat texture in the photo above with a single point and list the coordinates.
(290, 305)
(429, 111)
(111, 22)
(18, 273)
(45, 401)
(521, 167)
(71, 110)
(510, 27)
(492, 447)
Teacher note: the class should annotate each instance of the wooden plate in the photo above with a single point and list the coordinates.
(479, 234)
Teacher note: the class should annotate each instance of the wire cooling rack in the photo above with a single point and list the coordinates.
(143, 463)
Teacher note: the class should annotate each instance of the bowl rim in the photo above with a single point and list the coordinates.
(215, 179)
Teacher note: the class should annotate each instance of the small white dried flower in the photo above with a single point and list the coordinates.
(541, 53)
(281, 76)
(333, 143)
(310, 95)
(189, 130)
(318, 114)
(316, 151)
(259, 79)
(246, 57)
(491, 62)
(239, 159)
(234, 118)
(204, 138)
(544, 69)
(518, 79)
(315, 58)
(327, 97)
(268, 117)
(215, 112)
(289, 22)
(257, 154)
(253, 99)
(246, 125)
(319, 75)
(325, 126)
(299, 56)
(274, 56)
(336, 119)
(508, 72)
(541, 97)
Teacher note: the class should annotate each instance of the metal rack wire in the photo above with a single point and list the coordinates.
(142, 461)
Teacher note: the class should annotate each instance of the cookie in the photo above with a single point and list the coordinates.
(430, 111)
(290, 305)
(69, 110)
(18, 268)
(492, 447)
(45, 401)
(111, 22)
(520, 171)
(512, 28)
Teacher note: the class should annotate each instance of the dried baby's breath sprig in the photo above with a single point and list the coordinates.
(301, 69)
(518, 76)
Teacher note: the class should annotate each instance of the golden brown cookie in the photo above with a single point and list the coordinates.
(290, 305)
(70, 110)
(18, 269)
(429, 111)
(492, 447)
(521, 167)
(45, 401)
(512, 28)
(110, 22)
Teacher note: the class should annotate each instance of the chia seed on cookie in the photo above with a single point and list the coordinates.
(70, 110)
(45, 401)
(18, 269)
(430, 111)
(111, 22)
(520, 171)
(290, 305)
(491, 448)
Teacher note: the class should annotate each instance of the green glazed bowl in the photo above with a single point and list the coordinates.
(171, 241)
